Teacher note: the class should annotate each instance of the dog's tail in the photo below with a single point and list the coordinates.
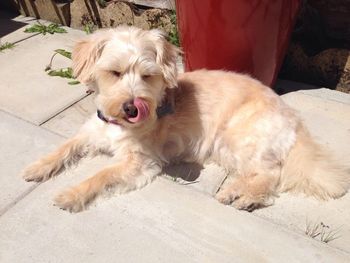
(309, 169)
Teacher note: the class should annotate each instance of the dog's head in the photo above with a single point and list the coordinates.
(132, 70)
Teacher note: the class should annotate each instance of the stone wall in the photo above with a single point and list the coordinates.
(101, 13)
(319, 52)
(116, 13)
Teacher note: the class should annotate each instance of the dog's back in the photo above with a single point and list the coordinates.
(244, 126)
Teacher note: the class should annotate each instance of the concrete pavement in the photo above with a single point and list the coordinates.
(165, 222)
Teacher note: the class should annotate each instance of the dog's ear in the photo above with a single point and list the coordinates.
(166, 58)
(85, 55)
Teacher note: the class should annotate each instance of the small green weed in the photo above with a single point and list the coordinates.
(102, 3)
(6, 45)
(173, 35)
(89, 28)
(62, 72)
(64, 53)
(43, 29)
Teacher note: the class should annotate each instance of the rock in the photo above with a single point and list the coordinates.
(329, 68)
(344, 81)
(155, 18)
(82, 14)
(27, 8)
(118, 13)
(55, 12)
(49, 10)
(89, 12)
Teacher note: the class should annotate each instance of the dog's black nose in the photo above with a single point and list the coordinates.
(130, 109)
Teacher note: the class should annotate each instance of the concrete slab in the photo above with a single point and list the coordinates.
(164, 222)
(328, 120)
(328, 94)
(20, 144)
(68, 122)
(285, 86)
(26, 88)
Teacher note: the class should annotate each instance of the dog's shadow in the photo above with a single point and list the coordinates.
(188, 172)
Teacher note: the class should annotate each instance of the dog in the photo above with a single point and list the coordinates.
(149, 116)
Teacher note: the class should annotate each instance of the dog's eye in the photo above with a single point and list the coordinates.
(116, 73)
(146, 76)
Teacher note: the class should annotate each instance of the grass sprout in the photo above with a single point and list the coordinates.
(6, 45)
(322, 232)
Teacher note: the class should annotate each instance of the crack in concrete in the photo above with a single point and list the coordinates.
(18, 199)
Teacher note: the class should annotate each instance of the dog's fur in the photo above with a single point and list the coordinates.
(224, 117)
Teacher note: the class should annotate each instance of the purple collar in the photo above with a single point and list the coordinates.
(103, 118)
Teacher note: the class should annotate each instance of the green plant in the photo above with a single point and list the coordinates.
(43, 29)
(173, 35)
(62, 72)
(6, 45)
(89, 28)
(102, 3)
(64, 53)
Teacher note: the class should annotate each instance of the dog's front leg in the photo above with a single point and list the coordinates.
(134, 171)
(51, 165)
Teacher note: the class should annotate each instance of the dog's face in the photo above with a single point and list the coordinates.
(131, 69)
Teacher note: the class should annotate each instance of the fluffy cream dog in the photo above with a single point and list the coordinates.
(148, 117)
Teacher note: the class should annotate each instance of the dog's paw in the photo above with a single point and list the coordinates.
(70, 200)
(250, 203)
(37, 172)
(242, 200)
(226, 197)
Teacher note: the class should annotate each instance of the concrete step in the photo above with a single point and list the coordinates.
(27, 91)
(68, 122)
(163, 222)
(20, 144)
(326, 114)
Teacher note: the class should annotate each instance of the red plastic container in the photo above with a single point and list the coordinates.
(249, 36)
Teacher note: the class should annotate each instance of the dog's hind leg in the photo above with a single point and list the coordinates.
(51, 165)
(253, 189)
(135, 171)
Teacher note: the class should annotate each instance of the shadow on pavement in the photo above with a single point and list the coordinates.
(7, 25)
(186, 171)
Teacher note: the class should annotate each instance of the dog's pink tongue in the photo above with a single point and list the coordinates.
(142, 110)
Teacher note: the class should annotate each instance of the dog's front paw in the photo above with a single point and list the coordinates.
(37, 172)
(243, 200)
(226, 197)
(70, 200)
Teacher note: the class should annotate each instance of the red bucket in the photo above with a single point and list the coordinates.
(238, 35)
